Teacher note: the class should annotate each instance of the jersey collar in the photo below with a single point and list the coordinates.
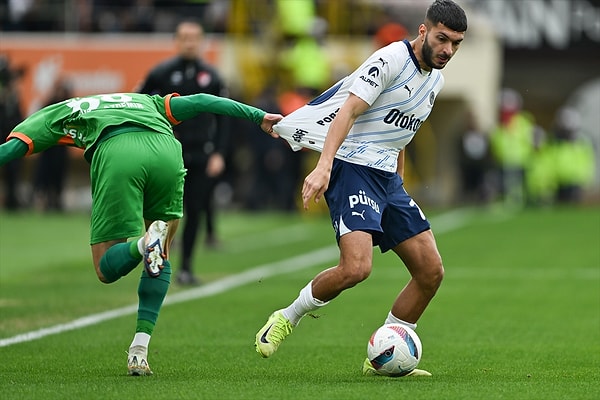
(414, 58)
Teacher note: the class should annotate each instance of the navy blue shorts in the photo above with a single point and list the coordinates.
(366, 199)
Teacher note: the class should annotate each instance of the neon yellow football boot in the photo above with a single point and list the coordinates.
(368, 370)
(270, 336)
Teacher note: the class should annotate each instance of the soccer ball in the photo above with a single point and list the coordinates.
(394, 350)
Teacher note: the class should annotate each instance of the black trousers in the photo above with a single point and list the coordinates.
(198, 201)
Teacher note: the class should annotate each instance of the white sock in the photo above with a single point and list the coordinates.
(141, 339)
(391, 319)
(304, 304)
(140, 245)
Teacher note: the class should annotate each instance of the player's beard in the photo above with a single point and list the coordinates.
(427, 54)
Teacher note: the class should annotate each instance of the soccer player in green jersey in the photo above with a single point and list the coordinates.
(137, 174)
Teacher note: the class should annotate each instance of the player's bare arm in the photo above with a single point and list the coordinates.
(317, 182)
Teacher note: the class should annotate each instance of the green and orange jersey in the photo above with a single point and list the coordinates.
(80, 121)
(84, 121)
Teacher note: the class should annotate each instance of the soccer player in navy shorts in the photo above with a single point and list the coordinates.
(361, 126)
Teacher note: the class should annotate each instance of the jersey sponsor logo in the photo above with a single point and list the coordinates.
(362, 198)
(139, 106)
(401, 120)
(374, 72)
(369, 81)
(409, 90)
(298, 135)
(73, 133)
(328, 118)
(383, 62)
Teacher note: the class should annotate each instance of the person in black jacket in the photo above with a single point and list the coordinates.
(204, 138)
(10, 115)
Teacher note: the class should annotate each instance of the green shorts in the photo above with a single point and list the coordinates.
(135, 176)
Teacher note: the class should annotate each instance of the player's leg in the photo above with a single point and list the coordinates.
(356, 258)
(114, 259)
(121, 259)
(421, 257)
(423, 261)
(162, 209)
(356, 251)
(117, 190)
(152, 291)
(407, 232)
(355, 222)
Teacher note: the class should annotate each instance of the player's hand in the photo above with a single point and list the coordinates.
(268, 121)
(315, 184)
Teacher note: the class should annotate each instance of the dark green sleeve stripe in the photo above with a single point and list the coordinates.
(186, 107)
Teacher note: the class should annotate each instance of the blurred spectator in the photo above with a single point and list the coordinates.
(540, 176)
(512, 144)
(305, 61)
(52, 165)
(10, 116)
(295, 17)
(205, 139)
(123, 15)
(302, 58)
(35, 15)
(475, 163)
(574, 157)
(277, 169)
(389, 31)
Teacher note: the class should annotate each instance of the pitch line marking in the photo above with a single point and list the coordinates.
(210, 289)
(447, 222)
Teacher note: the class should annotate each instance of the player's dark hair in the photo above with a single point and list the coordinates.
(448, 13)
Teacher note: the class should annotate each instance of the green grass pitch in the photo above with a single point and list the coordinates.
(517, 316)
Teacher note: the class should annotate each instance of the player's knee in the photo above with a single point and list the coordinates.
(431, 279)
(357, 274)
(102, 279)
(101, 276)
(437, 276)
(363, 273)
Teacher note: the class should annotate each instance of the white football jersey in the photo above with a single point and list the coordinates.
(400, 96)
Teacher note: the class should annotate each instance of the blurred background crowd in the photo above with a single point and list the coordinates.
(518, 122)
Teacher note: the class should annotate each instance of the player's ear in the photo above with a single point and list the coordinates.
(422, 32)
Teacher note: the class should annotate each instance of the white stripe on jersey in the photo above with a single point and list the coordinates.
(400, 96)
